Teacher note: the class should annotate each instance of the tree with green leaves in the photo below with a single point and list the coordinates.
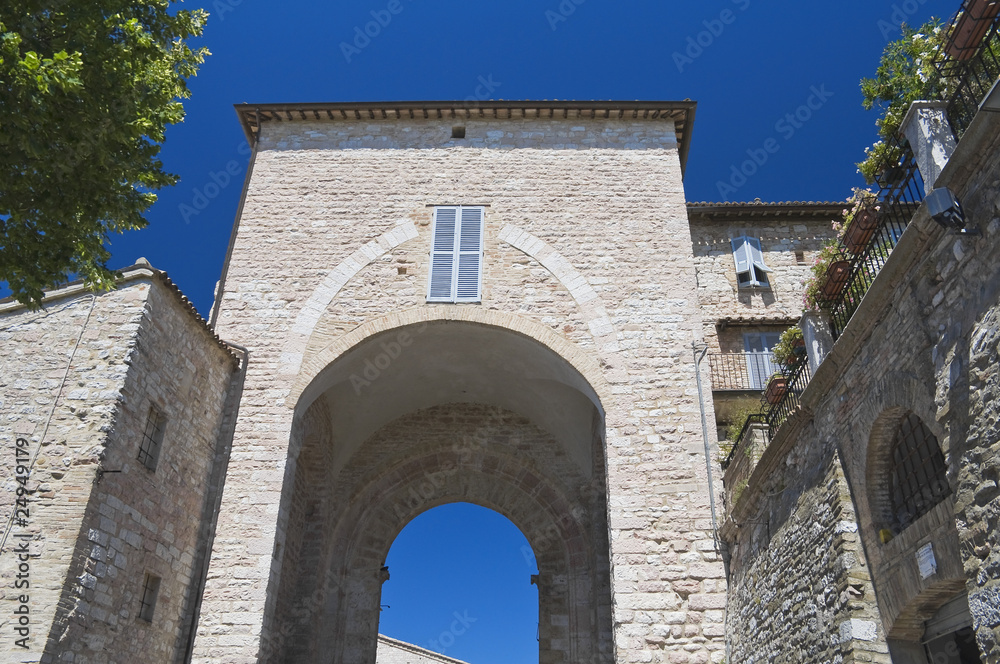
(87, 90)
(905, 74)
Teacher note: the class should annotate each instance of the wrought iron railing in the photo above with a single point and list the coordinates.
(776, 407)
(741, 371)
(900, 194)
(972, 66)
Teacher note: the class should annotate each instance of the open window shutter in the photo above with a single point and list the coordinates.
(443, 263)
(470, 256)
(741, 253)
(756, 254)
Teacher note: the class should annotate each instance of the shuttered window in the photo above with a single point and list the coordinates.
(456, 272)
(750, 268)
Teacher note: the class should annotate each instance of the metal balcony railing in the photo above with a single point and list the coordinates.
(774, 414)
(970, 60)
(900, 194)
(741, 371)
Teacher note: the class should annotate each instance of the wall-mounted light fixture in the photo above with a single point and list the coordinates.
(945, 209)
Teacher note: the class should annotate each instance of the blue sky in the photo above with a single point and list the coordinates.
(782, 72)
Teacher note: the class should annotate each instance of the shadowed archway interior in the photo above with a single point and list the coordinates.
(422, 416)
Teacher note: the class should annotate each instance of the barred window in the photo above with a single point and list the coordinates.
(918, 480)
(150, 590)
(152, 438)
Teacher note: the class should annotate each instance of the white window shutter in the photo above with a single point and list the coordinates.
(741, 254)
(456, 255)
(442, 272)
(470, 254)
(756, 254)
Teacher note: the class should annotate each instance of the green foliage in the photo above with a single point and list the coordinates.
(831, 252)
(88, 90)
(790, 349)
(905, 74)
(738, 417)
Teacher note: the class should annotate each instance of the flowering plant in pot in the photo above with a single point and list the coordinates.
(831, 263)
(790, 350)
(860, 220)
(906, 73)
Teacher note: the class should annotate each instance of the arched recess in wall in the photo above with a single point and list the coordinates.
(912, 539)
(424, 414)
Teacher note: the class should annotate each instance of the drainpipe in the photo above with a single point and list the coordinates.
(704, 436)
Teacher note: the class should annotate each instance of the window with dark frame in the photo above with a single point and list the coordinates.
(152, 438)
(150, 591)
(749, 257)
(919, 475)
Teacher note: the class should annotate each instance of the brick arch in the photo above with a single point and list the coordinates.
(506, 486)
(582, 360)
(884, 405)
(461, 452)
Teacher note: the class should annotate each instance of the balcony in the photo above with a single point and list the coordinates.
(741, 371)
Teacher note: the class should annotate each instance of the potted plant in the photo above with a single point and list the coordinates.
(790, 350)
(829, 276)
(906, 73)
(777, 388)
(860, 220)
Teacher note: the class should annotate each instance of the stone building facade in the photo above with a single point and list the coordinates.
(114, 436)
(867, 529)
(563, 396)
(510, 305)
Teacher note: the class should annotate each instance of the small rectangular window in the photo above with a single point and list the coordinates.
(456, 255)
(150, 591)
(152, 438)
(750, 267)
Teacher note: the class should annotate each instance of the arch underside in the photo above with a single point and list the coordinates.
(531, 449)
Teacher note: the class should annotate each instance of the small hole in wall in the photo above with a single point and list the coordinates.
(800, 257)
(401, 270)
(458, 132)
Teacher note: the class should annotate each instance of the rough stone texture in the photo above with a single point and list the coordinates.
(782, 234)
(923, 340)
(799, 585)
(391, 651)
(587, 252)
(76, 383)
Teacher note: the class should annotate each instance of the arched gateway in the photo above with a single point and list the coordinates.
(427, 414)
(502, 315)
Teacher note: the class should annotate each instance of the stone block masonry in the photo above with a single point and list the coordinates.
(587, 255)
(77, 380)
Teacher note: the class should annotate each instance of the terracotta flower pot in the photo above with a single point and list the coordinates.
(860, 230)
(836, 278)
(777, 387)
(971, 27)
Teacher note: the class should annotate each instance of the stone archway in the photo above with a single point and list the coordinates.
(424, 415)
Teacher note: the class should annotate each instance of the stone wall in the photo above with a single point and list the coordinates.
(922, 341)
(587, 251)
(391, 651)
(791, 235)
(87, 369)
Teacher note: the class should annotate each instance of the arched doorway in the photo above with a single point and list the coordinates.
(461, 586)
(425, 415)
